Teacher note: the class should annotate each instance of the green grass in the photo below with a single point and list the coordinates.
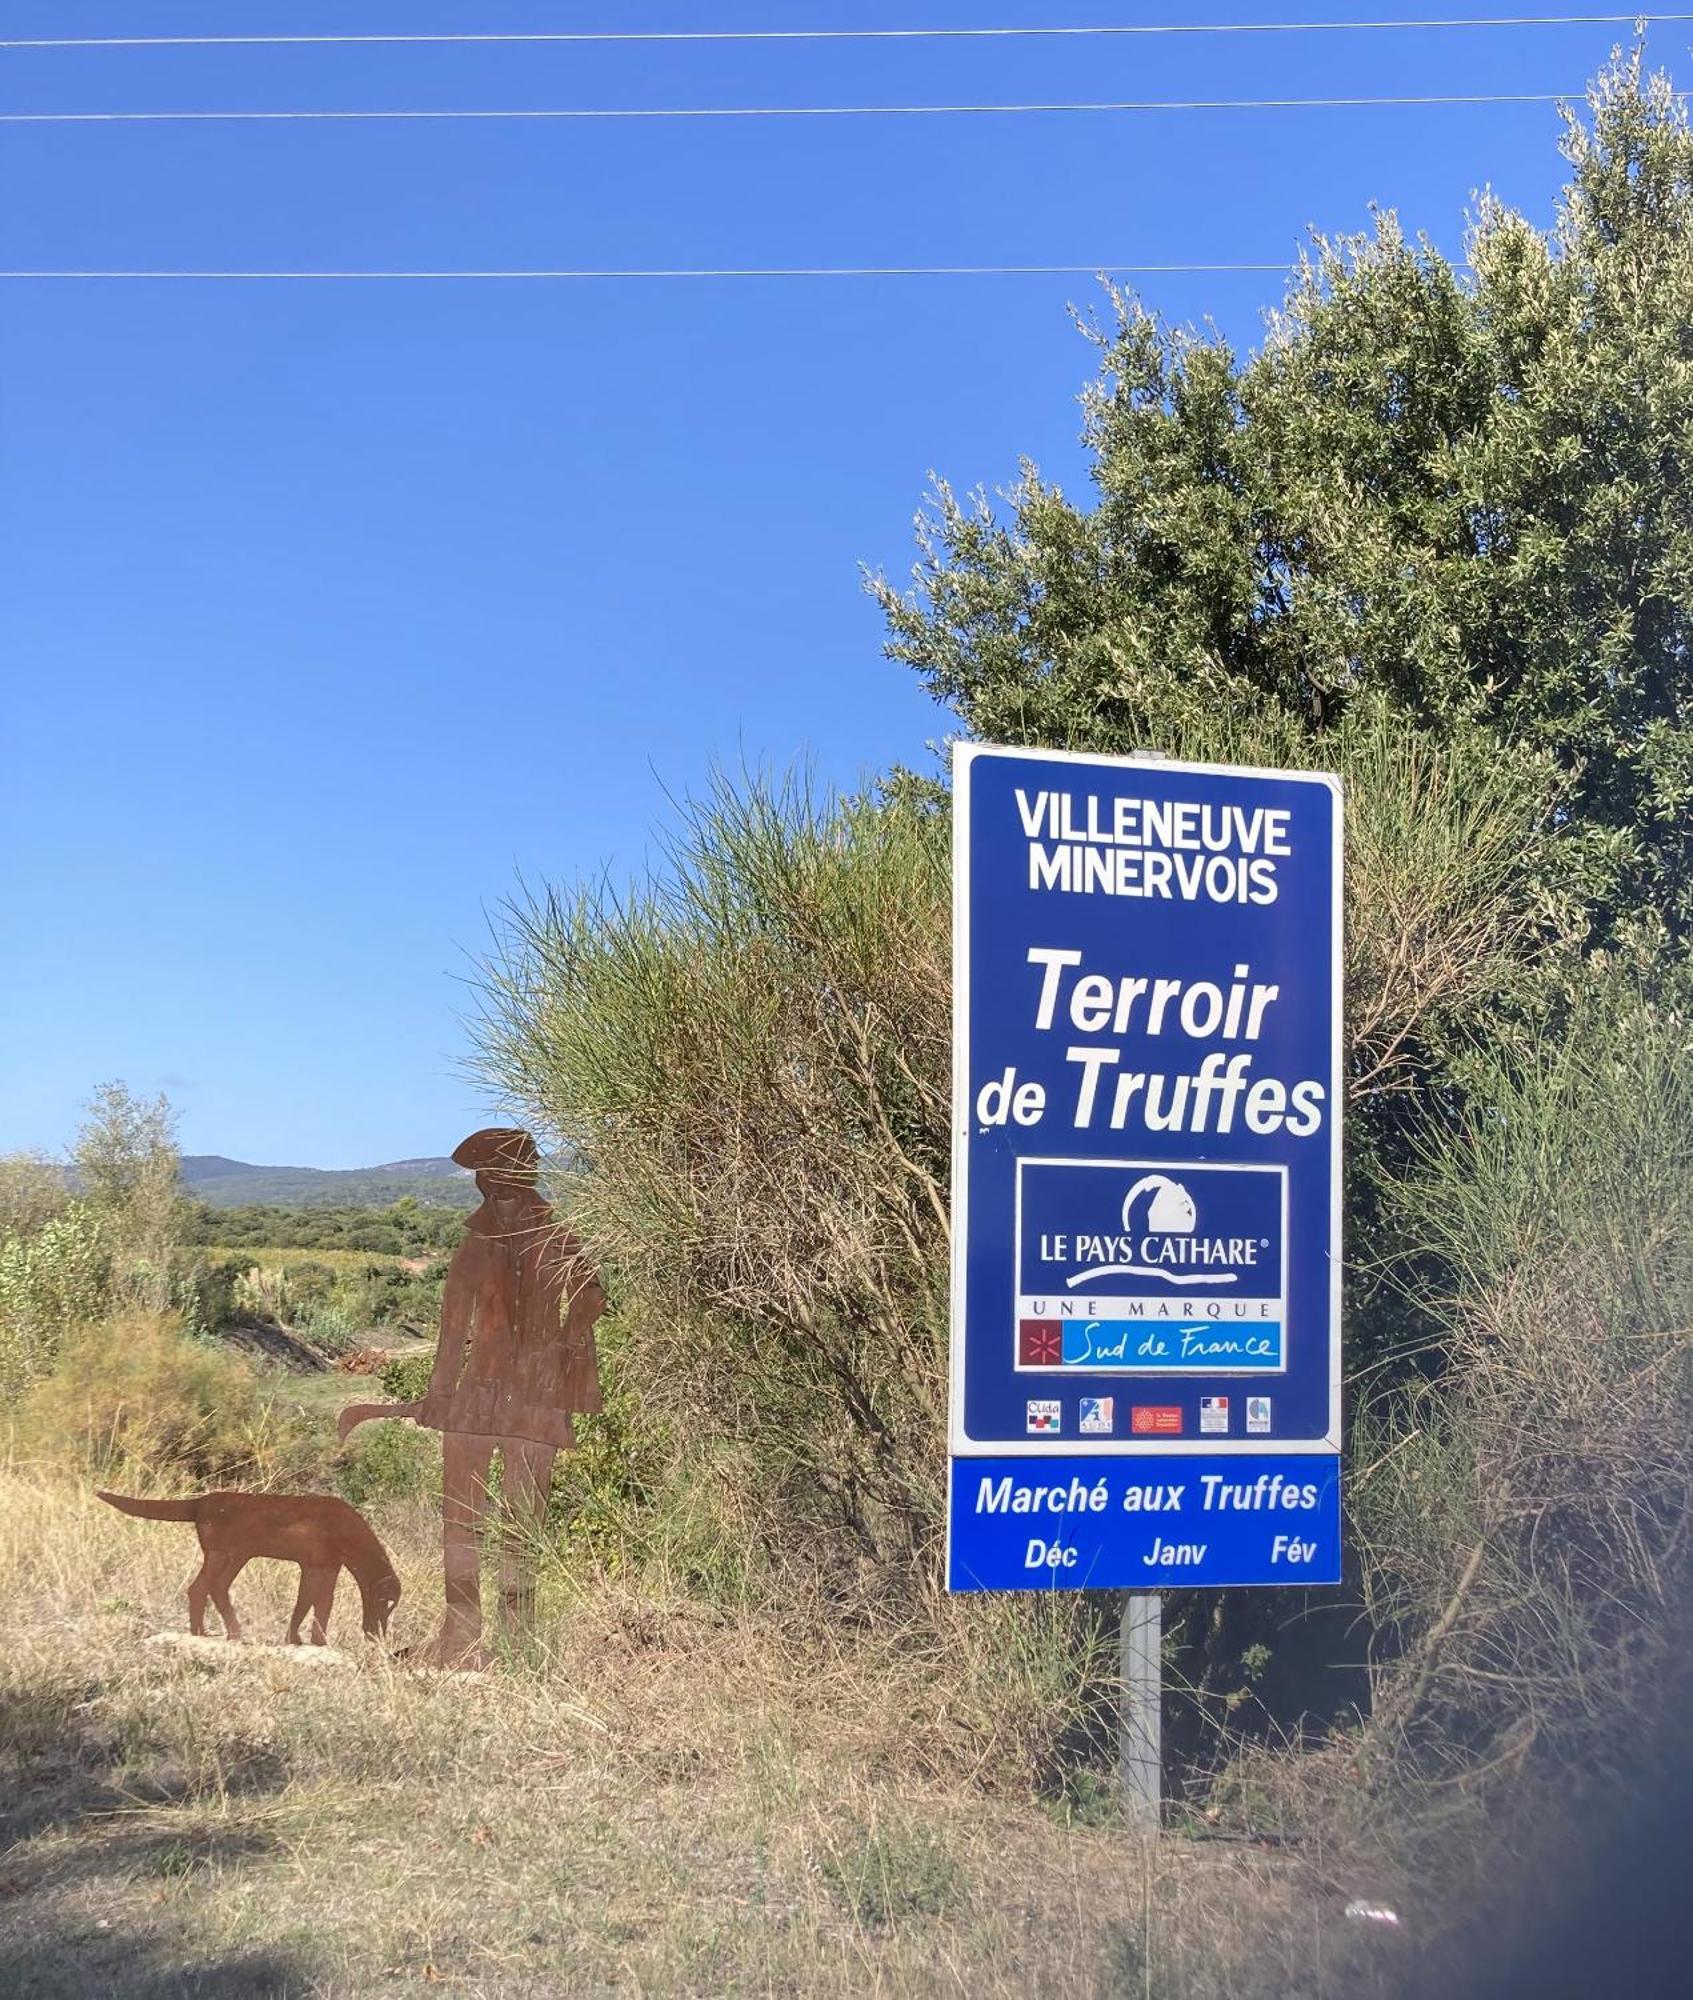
(339, 1260)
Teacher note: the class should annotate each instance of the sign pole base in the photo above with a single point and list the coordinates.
(1140, 1734)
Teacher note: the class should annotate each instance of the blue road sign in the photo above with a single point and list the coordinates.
(1142, 1524)
(1146, 1166)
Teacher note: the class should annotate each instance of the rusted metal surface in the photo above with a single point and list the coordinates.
(362, 1413)
(320, 1533)
(515, 1366)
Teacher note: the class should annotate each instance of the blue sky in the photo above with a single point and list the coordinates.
(328, 611)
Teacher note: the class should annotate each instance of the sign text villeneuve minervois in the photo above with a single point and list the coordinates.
(1145, 1338)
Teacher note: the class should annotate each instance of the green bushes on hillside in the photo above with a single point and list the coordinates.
(116, 1247)
(53, 1279)
(406, 1228)
(66, 1262)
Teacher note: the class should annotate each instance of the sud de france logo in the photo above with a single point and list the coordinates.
(1149, 1267)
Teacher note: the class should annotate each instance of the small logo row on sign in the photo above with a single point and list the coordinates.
(1096, 1417)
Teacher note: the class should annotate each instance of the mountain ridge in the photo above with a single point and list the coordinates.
(222, 1182)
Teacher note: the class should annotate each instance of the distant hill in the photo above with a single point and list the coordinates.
(222, 1183)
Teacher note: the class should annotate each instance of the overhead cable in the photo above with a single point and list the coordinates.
(624, 111)
(1088, 31)
(721, 271)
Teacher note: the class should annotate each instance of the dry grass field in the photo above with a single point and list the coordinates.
(664, 1801)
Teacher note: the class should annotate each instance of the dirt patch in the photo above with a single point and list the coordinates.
(267, 1341)
(365, 1361)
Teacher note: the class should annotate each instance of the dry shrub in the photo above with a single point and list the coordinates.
(746, 1073)
(1528, 1516)
(137, 1400)
(1532, 1532)
(745, 1069)
(1524, 1490)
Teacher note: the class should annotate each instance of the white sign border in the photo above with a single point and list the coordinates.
(959, 1443)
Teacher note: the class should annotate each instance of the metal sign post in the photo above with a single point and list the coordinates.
(1140, 1708)
(1147, 1085)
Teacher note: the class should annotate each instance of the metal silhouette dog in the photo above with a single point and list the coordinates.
(322, 1534)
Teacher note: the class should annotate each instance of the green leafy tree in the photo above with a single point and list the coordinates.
(53, 1280)
(32, 1191)
(126, 1151)
(127, 1170)
(1462, 491)
(1437, 533)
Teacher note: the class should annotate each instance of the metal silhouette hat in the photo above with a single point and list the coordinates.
(500, 1149)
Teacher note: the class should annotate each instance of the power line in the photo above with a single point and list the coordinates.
(852, 34)
(785, 110)
(723, 271)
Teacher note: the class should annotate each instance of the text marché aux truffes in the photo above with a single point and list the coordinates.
(1220, 1096)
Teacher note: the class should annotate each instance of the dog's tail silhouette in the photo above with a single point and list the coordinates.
(151, 1510)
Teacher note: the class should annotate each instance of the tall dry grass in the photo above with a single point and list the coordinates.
(1527, 1492)
(1523, 1493)
(744, 1070)
(744, 1067)
(658, 1801)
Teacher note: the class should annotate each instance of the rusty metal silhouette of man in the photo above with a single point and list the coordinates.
(515, 1365)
